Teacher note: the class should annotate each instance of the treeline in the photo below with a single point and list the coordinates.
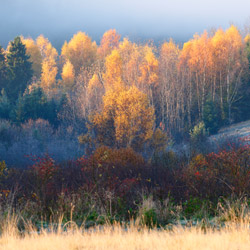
(122, 94)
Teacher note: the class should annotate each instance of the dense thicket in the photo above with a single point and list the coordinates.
(94, 125)
(123, 94)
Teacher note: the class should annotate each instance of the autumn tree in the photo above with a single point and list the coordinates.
(149, 67)
(131, 60)
(200, 63)
(109, 41)
(95, 92)
(35, 55)
(86, 98)
(247, 48)
(236, 63)
(80, 51)
(197, 57)
(170, 92)
(127, 118)
(113, 71)
(187, 89)
(68, 76)
(140, 67)
(229, 64)
(134, 118)
(241, 108)
(49, 65)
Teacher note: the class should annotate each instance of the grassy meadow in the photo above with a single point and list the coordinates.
(233, 236)
(229, 230)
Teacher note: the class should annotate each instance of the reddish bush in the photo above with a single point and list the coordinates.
(44, 167)
(116, 173)
(222, 173)
(110, 168)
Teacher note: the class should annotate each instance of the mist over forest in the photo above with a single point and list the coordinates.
(139, 20)
(127, 112)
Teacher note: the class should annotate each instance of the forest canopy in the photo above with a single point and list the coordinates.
(121, 93)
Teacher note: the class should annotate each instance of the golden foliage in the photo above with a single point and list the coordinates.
(134, 118)
(46, 48)
(68, 75)
(149, 67)
(80, 51)
(95, 92)
(35, 55)
(110, 41)
(49, 72)
(226, 45)
(169, 57)
(132, 58)
(126, 47)
(140, 65)
(198, 52)
(129, 116)
(113, 73)
(49, 66)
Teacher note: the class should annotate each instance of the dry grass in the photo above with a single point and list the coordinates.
(234, 236)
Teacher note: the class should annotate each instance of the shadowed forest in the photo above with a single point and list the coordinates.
(120, 130)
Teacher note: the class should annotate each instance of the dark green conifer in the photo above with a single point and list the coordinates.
(19, 69)
(3, 69)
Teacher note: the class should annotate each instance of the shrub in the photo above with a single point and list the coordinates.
(114, 175)
(220, 174)
(198, 133)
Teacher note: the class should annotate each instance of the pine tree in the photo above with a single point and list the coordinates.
(5, 106)
(3, 69)
(20, 69)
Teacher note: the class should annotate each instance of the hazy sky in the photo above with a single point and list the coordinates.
(157, 19)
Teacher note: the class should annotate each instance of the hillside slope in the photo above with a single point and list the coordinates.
(240, 130)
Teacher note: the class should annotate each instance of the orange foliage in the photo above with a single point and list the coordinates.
(131, 57)
(80, 51)
(134, 118)
(35, 55)
(95, 91)
(68, 75)
(149, 67)
(129, 116)
(113, 73)
(110, 41)
(49, 66)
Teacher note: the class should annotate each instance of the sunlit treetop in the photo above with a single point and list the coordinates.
(49, 63)
(46, 48)
(113, 70)
(170, 47)
(126, 47)
(149, 67)
(68, 75)
(81, 51)
(35, 55)
(110, 41)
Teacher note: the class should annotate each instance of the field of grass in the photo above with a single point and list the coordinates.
(231, 236)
